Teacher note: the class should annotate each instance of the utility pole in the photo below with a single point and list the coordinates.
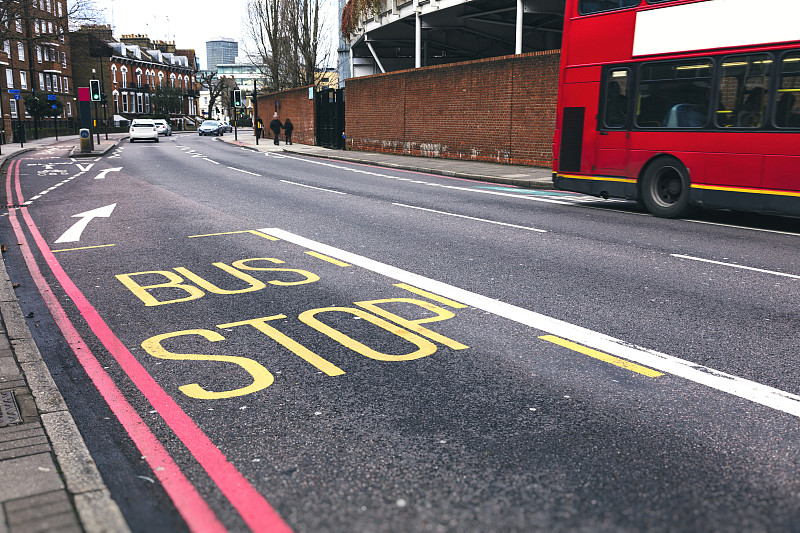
(256, 120)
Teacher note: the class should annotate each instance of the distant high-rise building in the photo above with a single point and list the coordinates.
(222, 51)
(344, 50)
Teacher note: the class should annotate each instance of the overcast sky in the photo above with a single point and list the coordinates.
(190, 23)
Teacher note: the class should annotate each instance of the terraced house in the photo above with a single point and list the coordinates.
(140, 77)
(35, 68)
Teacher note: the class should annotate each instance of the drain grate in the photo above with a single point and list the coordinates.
(9, 411)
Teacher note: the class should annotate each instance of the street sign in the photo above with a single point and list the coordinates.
(51, 97)
(16, 96)
(55, 106)
(13, 91)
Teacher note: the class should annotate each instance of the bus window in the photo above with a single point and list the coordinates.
(674, 94)
(615, 110)
(787, 110)
(587, 7)
(743, 86)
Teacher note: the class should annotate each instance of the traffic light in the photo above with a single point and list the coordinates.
(94, 86)
(103, 99)
(237, 98)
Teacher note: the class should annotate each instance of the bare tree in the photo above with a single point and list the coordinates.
(285, 41)
(218, 88)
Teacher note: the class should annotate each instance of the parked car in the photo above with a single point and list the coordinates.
(143, 129)
(163, 126)
(226, 126)
(210, 127)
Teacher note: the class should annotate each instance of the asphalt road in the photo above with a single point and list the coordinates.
(273, 342)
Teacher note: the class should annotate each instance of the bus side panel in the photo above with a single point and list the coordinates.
(592, 41)
(578, 120)
(782, 163)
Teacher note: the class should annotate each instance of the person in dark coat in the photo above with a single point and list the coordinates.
(288, 127)
(276, 126)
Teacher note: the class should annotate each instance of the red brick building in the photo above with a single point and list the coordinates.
(35, 59)
(140, 77)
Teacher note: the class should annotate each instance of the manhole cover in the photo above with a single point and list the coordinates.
(9, 411)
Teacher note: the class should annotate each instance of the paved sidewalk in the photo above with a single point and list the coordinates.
(48, 479)
(517, 175)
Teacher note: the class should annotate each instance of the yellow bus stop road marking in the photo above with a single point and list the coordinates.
(83, 248)
(328, 259)
(253, 231)
(622, 363)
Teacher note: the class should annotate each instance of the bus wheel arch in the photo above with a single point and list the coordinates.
(664, 187)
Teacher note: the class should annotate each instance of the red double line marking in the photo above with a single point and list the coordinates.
(257, 513)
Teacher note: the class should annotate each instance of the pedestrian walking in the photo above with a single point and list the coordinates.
(276, 126)
(288, 127)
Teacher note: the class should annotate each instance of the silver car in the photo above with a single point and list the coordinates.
(162, 126)
(210, 127)
(143, 129)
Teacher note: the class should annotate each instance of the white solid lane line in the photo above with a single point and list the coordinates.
(734, 265)
(472, 218)
(453, 187)
(312, 187)
(715, 379)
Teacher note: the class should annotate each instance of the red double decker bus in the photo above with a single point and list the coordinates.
(681, 103)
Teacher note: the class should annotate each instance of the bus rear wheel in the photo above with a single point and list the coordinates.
(665, 188)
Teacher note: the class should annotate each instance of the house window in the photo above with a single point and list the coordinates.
(7, 46)
(23, 79)
(65, 85)
(114, 73)
(18, 24)
(39, 53)
(14, 109)
(49, 83)
(139, 77)
(41, 81)
(9, 78)
(124, 102)
(69, 105)
(64, 59)
(124, 74)
(21, 50)
(115, 95)
(147, 102)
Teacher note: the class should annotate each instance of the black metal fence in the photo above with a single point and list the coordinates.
(26, 130)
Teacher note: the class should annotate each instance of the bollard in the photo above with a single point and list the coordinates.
(87, 144)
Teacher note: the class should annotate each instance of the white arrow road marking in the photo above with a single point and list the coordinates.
(103, 173)
(73, 234)
(85, 168)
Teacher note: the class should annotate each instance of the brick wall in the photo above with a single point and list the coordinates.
(295, 105)
(500, 109)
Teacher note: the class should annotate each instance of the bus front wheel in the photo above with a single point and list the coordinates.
(665, 188)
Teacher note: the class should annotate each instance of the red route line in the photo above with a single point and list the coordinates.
(197, 514)
(253, 508)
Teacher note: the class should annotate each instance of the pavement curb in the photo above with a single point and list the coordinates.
(97, 512)
(76, 153)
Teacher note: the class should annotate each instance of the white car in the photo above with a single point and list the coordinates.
(163, 126)
(144, 129)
